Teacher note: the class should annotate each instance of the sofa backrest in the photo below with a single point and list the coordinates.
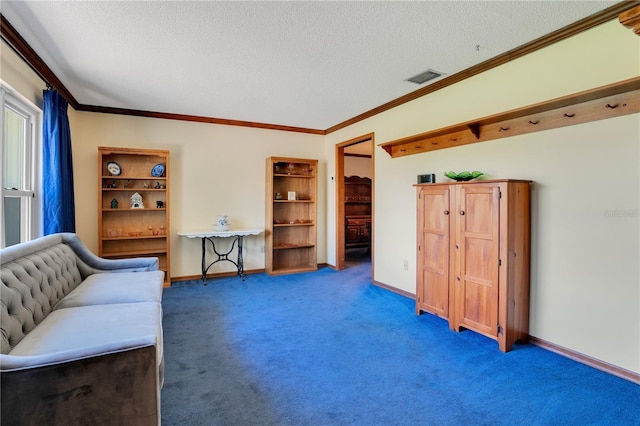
(34, 276)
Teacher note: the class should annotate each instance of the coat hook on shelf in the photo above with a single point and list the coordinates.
(612, 106)
(569, 115)
(503, 129)
(534, 122)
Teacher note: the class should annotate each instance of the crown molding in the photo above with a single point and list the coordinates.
(22, 48)
(587, 23)
(14, 40)
(196, 118)
(19, 45)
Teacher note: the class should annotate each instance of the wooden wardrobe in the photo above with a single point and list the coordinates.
(473, 250)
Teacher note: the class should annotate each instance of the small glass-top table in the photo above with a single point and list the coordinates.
(236, 234)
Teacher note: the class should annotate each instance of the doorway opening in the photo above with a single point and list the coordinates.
(354, 192)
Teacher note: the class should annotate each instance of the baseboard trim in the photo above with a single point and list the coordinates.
(587, 360)
(230, 274)
(216, 275)
(394, 289)
(560, 350)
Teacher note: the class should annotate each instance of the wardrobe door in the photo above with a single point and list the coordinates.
(433, 250)
(476, 265)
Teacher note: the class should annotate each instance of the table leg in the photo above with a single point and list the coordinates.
(222, 256)
(204, 270)
(240, 261)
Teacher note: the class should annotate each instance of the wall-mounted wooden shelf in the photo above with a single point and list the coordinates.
(609, 101)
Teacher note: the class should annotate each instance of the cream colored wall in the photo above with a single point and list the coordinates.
(585, 288)
(214, 170)
(585, 281)
(18, 75)
(358, 166)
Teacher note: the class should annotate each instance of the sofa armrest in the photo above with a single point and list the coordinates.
(116, 384)
(91, 264)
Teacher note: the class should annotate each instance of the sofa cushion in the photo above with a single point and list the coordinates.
(116, 287)
(78, 328)
(31, 285)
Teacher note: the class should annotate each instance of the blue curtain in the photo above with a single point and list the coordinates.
(57, 174)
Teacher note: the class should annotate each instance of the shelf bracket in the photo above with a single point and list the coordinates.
(475, 129)
(631, 19)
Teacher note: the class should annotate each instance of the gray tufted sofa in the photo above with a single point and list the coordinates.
(81, 336)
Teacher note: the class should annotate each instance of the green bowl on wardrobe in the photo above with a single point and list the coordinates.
(463, 176)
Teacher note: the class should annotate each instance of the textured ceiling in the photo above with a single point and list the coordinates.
(306, 64)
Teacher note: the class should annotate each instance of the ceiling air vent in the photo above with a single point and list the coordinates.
(425, 76)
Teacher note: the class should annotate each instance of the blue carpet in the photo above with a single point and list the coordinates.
(329, 348)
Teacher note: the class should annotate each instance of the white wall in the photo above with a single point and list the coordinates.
(585, 281)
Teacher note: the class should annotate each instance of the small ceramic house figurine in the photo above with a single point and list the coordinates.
(114, 204)
(136, 201)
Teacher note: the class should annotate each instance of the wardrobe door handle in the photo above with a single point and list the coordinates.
(461, 212)
(446, 212)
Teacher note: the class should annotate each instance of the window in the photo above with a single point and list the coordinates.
(21, 173)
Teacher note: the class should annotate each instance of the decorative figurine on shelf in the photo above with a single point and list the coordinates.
(114, 204)
(114, 184)
(136, 201)
(145, 185)
(159, 204)
(278, 196)
(157, 185)
(223, 223)
(127, 183)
